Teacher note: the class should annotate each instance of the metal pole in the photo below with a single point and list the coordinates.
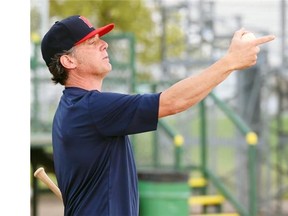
(252, 180)
(252, 141)
(44, 13)
(155, 140)
(132, 41)
(203, 139)
(163, 40)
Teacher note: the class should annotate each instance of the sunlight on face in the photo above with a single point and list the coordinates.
(92, 56)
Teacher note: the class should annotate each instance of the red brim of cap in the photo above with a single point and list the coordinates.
(100, 31)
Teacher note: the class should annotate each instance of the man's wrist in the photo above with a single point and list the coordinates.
(228, 62)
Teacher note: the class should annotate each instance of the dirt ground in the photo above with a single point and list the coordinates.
(48, 205)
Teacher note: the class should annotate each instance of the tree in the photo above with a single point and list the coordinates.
(134, 16)
(128, 16)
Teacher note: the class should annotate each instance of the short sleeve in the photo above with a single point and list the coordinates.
(117, 114)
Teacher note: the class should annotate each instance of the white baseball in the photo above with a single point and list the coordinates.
(248, 36)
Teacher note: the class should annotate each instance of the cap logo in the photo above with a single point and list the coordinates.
(86, 21)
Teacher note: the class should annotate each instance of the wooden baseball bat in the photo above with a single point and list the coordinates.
(42, 175)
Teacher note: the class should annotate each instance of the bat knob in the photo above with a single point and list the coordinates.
(38, 171)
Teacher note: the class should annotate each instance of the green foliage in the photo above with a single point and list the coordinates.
(128, 16)
(134, 16)
(175, 40)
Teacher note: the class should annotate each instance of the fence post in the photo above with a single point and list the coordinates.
(203, 140)
(252, 141)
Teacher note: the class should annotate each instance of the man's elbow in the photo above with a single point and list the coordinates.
(171, 109)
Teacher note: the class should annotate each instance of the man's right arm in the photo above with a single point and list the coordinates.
(189, 91)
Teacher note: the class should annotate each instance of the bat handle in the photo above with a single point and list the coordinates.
(42, 175)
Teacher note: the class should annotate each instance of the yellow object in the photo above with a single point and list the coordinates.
(178, 140)
(251, 138)
(206, 200)
(35, 37)
(197, 182)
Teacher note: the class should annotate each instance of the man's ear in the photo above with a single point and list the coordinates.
(67, 61)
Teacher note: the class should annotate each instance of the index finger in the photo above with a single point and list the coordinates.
(264, 39)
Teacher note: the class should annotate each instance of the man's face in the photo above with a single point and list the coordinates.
(92, 57)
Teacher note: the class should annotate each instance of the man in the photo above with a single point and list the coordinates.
(93, 158)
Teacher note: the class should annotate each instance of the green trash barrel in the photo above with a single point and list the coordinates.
(163, 193)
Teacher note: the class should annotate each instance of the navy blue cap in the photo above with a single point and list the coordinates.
(65, 34)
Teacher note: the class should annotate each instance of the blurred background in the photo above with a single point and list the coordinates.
(225, 156)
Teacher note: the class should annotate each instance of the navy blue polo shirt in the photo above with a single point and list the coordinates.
(93, 157)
